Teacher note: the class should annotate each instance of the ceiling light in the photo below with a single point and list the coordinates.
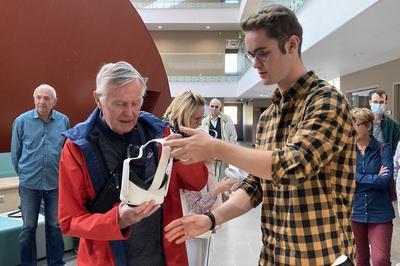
(358, 53)
(160, 27)
(208, 27)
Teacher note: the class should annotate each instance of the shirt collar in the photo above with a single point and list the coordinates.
(36, 114)
(373, 144)
(298, 89)
(111, 133)
(215, 118)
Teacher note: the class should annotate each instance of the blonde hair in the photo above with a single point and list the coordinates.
(363, 115)
(182, 108)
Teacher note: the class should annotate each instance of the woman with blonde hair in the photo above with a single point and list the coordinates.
(372, 208)
(187, 110)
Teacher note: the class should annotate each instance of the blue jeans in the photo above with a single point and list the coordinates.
(30, 206)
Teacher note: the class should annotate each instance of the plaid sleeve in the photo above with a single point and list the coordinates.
(313, 142)
(252, 186)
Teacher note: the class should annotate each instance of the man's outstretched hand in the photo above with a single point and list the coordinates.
(197, 147)
(186, 227)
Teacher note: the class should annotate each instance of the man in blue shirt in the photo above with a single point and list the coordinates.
(35, 151)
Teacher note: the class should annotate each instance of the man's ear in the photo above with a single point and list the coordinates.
(292, 44)
(96, 97)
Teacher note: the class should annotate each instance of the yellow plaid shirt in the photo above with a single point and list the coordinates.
(306, 209)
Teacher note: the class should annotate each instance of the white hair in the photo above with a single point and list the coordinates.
(117, 74)
(46, 87)
(216, 100)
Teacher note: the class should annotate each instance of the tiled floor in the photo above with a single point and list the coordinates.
(238, 242)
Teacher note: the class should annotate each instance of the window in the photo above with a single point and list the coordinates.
(232, 111)
(231, 63)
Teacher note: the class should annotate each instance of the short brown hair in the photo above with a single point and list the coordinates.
(381, 93)
(278, 22)
(363, 115)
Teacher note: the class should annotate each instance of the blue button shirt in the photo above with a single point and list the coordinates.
(372, 202)
(36, 148)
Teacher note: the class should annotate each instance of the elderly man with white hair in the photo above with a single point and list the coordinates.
(35, 151)
(221, 126)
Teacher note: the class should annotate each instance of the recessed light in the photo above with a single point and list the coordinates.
(160, 27)
(208, 27)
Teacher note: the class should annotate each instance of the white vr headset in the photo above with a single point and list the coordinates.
(132, 194)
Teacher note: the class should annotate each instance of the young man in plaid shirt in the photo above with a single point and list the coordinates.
(302, 170)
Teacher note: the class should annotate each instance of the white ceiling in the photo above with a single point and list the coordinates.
(370, 38)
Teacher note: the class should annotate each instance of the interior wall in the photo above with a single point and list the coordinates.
(384, 76)
(63, 43)
(259, 105)
(248, 122)
(192, 41)
(239, 125)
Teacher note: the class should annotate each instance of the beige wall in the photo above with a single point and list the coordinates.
(251, 115)
(192, 41)
(193, 53)
(383, 76)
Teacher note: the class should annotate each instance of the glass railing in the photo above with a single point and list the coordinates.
(292, 4)
(154, 4)
(210, 67)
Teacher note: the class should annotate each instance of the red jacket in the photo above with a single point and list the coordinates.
(96, 230)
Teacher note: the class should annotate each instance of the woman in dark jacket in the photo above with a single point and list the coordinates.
(372, 208)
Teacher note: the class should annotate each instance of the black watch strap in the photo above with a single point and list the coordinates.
(212, 218)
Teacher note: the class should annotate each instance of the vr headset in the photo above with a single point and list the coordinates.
(235, 173)
(132, 190)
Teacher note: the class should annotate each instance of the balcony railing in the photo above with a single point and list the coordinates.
(152, 4)
(192, 67)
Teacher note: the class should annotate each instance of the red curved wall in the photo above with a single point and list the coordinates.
(64, 43)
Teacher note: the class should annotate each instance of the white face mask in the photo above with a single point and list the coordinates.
(378, 108)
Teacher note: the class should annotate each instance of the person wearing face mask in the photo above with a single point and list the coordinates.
(384, 128)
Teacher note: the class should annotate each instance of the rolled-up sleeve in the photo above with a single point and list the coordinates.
(252, 186)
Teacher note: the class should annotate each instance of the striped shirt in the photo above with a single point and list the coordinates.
(306, 208)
